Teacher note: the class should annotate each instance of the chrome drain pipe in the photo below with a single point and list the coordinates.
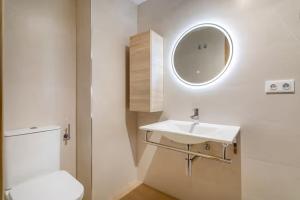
(189, 162)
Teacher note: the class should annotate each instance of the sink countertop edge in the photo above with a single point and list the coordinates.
(224, 141)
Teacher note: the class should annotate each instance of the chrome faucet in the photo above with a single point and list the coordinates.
(196, 114)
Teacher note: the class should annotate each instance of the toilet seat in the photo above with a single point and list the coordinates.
(59, 185)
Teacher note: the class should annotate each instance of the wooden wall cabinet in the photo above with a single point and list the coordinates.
(146, 72)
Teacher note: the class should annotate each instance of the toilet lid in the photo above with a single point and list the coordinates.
(59, 185)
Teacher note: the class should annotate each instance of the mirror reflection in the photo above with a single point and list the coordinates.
(202, 55)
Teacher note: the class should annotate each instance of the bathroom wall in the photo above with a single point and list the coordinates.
(1, 101)
(266, 37)
(83, 95)
(40, 68)
(114, 127)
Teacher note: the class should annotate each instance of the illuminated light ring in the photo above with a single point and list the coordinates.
(227, 64)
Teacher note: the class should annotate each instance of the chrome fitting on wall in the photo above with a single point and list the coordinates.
(67, 133)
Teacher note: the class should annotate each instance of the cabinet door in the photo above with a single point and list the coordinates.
(146, 72)
(140, 72)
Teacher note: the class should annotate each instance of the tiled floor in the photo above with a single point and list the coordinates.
(144, 192)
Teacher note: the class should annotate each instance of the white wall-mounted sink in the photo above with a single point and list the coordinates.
(193, 133)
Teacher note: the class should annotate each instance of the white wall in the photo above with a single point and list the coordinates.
(266, 37)
(40, 68)
(114, 127)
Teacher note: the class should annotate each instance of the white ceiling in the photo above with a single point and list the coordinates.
(138, 1)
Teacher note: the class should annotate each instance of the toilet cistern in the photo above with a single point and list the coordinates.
(196, 115)
(32, 166)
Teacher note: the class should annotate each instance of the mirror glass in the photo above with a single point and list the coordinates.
(202, 54)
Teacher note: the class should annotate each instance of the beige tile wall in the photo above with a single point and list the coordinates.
(266, 37)
(40, 68)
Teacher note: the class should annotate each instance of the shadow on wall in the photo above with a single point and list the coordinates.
(144, 119)
(165, 170)
(131, 117)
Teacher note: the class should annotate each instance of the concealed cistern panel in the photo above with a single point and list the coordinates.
(280, 86)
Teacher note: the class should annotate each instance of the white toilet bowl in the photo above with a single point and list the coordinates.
(59, 185)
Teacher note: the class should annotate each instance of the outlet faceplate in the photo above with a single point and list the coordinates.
(280, 86)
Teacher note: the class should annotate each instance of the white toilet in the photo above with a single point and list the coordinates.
(32, 166)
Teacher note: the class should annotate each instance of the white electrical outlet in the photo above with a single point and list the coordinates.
(280, 86)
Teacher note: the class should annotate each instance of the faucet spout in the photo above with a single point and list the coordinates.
(196, 116)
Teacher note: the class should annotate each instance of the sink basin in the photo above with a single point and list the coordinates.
(193, 133)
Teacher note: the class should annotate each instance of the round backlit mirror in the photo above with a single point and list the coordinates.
(202, 54)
